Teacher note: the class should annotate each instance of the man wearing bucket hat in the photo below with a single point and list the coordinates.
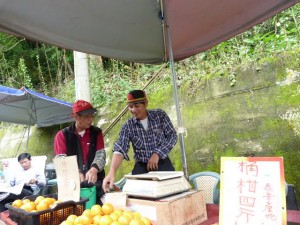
(152, 136)
(86, 142)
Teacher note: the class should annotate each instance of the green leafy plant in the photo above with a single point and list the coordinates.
(23, 74)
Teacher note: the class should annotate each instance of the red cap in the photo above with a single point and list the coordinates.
(83, 107)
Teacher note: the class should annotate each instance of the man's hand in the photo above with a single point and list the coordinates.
(81, 177)
(91, 175)
(108, 182)
(153, 162)
(32, 181)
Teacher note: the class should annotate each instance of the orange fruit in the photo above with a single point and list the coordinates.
(129, 214)
(32, 205)
(66, 222)
(88, 213)
(136, 222)
(96, 210)
(84, 220)
(43, 205)
(105, 220)
(25, 200)
(115, 223)
(71, 218)
(26, 206)
(124, 220)
(77, 221)
(119, 212)
(146, 221)
(127, 210)
(38, 199)
(17, 203)
(107, 208)
(114, 216)
(96, 219)
(50, 200)
(136, 215)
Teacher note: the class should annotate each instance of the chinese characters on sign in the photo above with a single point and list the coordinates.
(252, 191)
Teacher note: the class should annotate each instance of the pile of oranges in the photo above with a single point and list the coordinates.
(97, 215)
(39, 204)
(106, 215)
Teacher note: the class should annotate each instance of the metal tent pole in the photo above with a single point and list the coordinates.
(181, 130)
(28, 132)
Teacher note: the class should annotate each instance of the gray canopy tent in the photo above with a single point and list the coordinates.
(144, 31)
(136, 31)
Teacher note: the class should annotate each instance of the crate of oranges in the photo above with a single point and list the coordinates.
(43, 210)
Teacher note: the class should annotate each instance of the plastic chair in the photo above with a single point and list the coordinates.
(291, 199)
(208, 182)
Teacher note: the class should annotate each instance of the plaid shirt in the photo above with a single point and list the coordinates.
(160, 137)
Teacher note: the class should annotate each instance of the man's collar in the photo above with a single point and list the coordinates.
(73, 128)
(135, 120)
(81, 133)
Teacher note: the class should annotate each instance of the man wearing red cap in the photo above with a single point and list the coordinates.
(86, 142)
(152, 136)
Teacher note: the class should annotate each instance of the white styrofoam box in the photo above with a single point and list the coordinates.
(155, 188)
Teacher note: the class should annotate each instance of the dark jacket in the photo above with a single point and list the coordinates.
(74, 148)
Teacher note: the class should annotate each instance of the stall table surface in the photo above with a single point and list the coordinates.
(293, 216)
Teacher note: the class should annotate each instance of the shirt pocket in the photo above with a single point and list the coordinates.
(159, 137)
(137, 142)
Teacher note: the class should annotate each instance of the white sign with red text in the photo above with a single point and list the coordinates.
(252, 191)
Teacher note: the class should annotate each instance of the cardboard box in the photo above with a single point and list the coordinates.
(68, 182)
(187, 208)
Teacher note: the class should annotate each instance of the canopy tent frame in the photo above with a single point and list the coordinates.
(181, 129)
(144, 31)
